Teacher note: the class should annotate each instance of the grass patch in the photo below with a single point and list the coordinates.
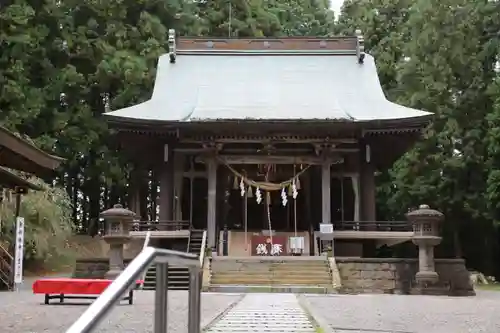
(491, 287)
(62, 263)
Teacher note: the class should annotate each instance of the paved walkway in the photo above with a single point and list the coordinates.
(407, 314)
(24, 312)
(263, 313)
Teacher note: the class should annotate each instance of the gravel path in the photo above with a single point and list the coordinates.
(23, 312)
(404, 314)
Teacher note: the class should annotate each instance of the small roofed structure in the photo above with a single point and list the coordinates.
(263, 110)
(20, 154)
(17, 153)
(9, 179)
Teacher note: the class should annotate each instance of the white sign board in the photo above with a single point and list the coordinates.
(326, 228)
(19, 253)
(296, 243)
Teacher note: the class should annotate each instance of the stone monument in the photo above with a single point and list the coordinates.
(425, 223)
(118, 222)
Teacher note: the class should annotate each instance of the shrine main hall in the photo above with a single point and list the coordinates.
(270, 145)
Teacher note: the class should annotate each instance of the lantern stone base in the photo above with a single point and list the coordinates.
(116, 264)
(425, 278)
(113, 274)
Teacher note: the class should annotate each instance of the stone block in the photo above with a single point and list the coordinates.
(393, 275)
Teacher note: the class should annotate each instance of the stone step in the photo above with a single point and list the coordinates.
(271, 262)
(264, 267)
(259, 275)
(272, 289)
(243, 280)
(322, 272)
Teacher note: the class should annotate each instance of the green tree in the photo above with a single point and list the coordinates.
(266, 18)
(448, 72)
(48, 222)
(382, 23)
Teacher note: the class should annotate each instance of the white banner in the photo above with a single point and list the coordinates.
(19, 253)
(326, 228)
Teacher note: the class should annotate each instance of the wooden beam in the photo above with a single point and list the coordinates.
(260, 159)
(195, 174)
(270, 139)
(242, 150)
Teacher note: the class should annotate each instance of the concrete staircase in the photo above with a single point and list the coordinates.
(271, 274)
(178, 276)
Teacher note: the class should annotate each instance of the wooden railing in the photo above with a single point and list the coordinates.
(6, 268)
(160, 225)
(151, 226)
(373, 226)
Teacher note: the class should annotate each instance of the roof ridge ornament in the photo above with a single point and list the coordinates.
(172, 54)
(360, 47)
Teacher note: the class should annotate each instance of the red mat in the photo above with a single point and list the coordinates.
(72, 286)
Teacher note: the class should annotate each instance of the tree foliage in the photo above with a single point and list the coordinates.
(47, 217)
(64, 63)
(440, 57)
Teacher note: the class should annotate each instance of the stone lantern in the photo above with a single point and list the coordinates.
(425, 223)
(118, 221)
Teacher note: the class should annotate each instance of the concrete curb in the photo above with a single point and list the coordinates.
(317, 320)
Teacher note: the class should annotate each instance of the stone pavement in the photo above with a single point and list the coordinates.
(406, 314)
(23, 312)
(262, 313)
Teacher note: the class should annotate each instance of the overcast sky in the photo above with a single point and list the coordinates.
(336, 4)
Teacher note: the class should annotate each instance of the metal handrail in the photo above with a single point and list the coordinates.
(96, 312)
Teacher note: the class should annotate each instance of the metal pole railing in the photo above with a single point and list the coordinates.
(161, 299)
(96, 312)
(144, 246)
(194, 300)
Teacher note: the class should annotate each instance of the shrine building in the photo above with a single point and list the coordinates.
(266, 141)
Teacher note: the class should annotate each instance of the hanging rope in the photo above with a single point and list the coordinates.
(266, 185)
(268, 204)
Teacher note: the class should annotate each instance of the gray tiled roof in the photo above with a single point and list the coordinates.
(204, 87)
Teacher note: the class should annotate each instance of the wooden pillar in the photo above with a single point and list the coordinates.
(357, 201)
(211, 202)
(166, 186)
(134, 192)
(326, 212)
(179, 161)
(367, 185)
(307, 189)
(220, 211)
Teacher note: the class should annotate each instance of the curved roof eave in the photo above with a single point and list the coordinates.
(11, 180)
(172, 124)
(36, 157)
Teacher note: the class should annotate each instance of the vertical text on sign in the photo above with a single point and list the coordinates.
(19, 252)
